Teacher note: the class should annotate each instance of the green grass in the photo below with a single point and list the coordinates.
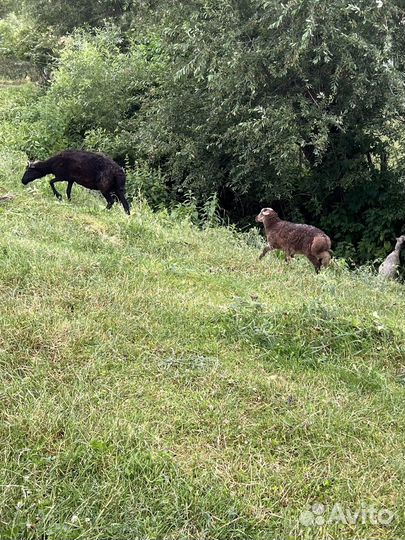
(159, 382)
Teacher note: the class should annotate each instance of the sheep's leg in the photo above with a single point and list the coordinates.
(109, 198)
(266, 249)
(69, 190)
(316, 262)
(288, 256)
(55, 191)
(121, 196)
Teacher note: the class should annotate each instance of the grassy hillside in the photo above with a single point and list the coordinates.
(159, 382)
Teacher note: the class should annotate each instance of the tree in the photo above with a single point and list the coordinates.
(282, 103)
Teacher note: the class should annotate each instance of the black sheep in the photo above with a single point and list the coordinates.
(89, 169)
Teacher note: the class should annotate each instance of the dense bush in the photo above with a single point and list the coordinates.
(95, 93)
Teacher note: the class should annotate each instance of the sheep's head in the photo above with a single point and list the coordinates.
(400, 242)
(31, 173)
(265, 214)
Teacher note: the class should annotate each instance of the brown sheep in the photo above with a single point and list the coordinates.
(295, 238)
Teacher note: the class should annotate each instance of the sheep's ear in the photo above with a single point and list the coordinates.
(266, 211)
